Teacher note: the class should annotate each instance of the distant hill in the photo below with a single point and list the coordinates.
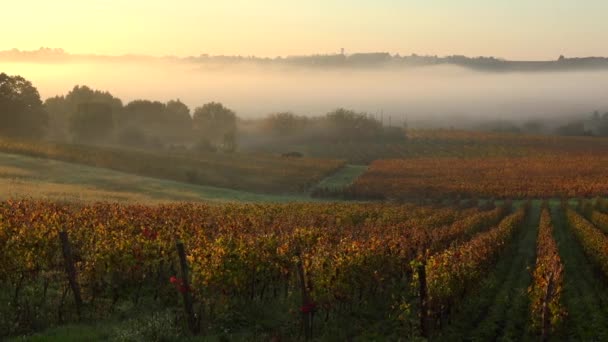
(355, 60)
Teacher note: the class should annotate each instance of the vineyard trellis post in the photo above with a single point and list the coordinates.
(307, 309)
(70, 270)
(424, 310)
(186, 295)
(546, 314)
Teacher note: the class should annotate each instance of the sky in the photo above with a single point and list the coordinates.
(512, 29)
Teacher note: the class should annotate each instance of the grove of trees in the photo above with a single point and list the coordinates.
(89, 116)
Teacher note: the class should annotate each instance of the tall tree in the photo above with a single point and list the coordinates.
(21, 111)
(215, 123)
(62, 108)
(347, 125)
(178, 113)
(169, 122)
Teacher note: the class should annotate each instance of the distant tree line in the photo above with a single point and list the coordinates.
(89, 116)
(338, 126)
(85, 115)
(595, 124)
(337, 60)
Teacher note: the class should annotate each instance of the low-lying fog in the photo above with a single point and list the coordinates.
(432, 95)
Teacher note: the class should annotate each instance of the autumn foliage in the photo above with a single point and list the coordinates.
(592, 239)
(547, 278)
(500, 177)
(349, 253)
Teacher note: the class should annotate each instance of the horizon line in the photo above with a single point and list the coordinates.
(62, 51)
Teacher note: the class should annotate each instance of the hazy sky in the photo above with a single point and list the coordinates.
(514, 29)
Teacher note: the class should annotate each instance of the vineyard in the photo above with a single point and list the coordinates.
(289, 271)
(456, 144)
(558, 176)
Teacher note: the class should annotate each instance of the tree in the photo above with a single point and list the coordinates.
(169, 121)
(213, 121)
(229, 143)
(574, 128)
(602, 129)
(179, 121)
(285, 124)
(178, 114)
(22, 114)
(143, 113)
(347, 125)
(92, 122)
(62, 108)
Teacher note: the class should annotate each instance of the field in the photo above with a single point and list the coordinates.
(296, 271)
(456, 144)
(29, 177)
(255, 173)
(559, 176)
(467, 247)
(446, 164)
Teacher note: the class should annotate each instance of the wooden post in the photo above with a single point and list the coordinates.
(185, 290)
(424, 310)
(306, 321)
(70, 270)
(546, 319)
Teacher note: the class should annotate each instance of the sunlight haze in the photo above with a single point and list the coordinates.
(514, 30)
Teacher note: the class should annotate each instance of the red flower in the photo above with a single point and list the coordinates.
(183, 288)
(308, 308)
(179, 284)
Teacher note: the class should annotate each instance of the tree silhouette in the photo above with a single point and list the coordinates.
(169, 122)
(213, 122)
(62, 108)
(22, 114)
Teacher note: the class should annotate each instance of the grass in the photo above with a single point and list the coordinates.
(239, 171)
(30, 177)
(69, 333)
(343, 177)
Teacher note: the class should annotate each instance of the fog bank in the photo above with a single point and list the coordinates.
(423, 96)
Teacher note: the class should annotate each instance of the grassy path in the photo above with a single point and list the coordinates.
(343, 177)
(499, 310)
(585, 294)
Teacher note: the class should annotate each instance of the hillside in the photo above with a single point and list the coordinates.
(245, 172)
(21, 177)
